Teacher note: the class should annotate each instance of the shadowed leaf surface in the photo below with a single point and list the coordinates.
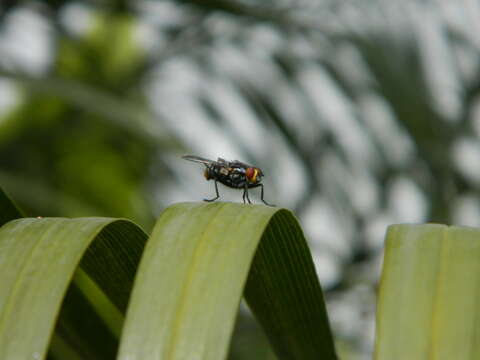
(8, 210)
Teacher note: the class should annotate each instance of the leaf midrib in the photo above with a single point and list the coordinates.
(171, 345)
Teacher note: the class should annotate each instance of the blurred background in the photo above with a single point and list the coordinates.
(360, 113)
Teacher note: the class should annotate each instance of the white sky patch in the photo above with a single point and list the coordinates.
(194, 127)
(176, 89)
(350, 64)
(377, 228)
(466, 59)
(179, 75)
(438, 64)
(466, 211)
(342, 315)
(335, 184)
(353, 182)
(336, 110)
(191, 185)
(352, 18)
(352, 315)
(259, 73)
(162, 13)
(297, 113)
(303, 47)
(77, 18)
(472, 13)
(237, 115)
(377, 114)
(406, 200)
(26, 43)
(286, 172)
(264, 40)
(462, 16)
(324, 228)
(363, 190)
(466, 156)
(327, 267)
(149, 38)
(387, 16)
(242, 66)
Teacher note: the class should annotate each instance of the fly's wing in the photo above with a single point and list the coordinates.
(198, 159)
(222, 161)
(239, 164)
(223, 166)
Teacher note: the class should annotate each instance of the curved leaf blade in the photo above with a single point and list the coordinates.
(192, 276)
(38, 258)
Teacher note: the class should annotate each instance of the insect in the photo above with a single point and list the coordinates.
(234, 174)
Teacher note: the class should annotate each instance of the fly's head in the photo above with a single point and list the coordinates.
(254, 175)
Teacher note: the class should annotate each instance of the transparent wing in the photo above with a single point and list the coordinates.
(237, 163)
(198, 159)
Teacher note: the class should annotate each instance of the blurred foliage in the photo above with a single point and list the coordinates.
(360, 113)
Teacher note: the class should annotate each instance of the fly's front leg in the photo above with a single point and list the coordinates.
(261, 197)
(216, 191)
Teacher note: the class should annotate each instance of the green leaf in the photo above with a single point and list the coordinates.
(193, 273)
(38, 258)
(429, 294)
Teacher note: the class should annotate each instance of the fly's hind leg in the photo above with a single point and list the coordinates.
(261, 197)
(216, 191)
(245, 194)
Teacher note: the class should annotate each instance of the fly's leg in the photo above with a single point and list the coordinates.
(245, 194)
(261, 197)
(215, 198)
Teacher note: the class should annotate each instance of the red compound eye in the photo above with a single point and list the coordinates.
(251, 174)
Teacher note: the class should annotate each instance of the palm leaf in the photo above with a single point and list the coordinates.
(191, 280)
(190, 283)
(429, 293)
(38, 258)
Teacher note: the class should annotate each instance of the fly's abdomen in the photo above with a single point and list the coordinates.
(232, 180)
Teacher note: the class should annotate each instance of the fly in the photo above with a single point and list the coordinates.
(234, 174)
